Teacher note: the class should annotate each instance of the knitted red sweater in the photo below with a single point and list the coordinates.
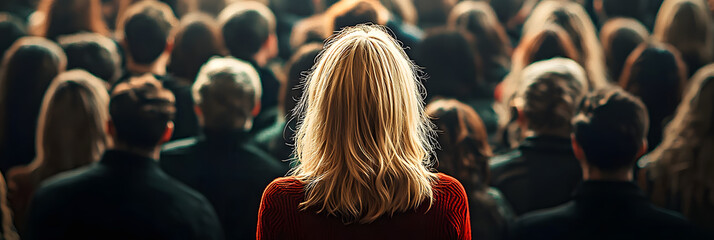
(280, 218)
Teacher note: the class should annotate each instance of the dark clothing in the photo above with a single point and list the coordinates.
(124, 196)
(270, 85)
(541, 173)
(410, 36)
(604, 210)
(230, 171)
(185, 120)
(490, 214)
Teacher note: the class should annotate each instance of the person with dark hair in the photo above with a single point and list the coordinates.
(288, 13)
(656, 73)
(278, 138)
(25, 74)
(64, 17)
(126, 195)
(609, 135)
(94, 53)
(224, 165)
(464, 154)
(433, 13)
(197, 40)
(11, 29)
(248, 29)
(606, 10)
(619, 37)
(542, 172)
(453, 69)
(145, 33)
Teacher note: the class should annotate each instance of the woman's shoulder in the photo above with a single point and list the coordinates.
(284, 187)
(447, 187)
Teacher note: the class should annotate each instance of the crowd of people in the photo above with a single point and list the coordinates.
(356, 119)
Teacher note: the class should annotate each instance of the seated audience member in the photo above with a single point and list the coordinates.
(94, 53)
(606, 10)
(197, 40)
(65, 17)
(433, 13)
(464, 154)
(609, 135)
(619, 37)
(492, 44)
(27, 70)
(687, 25)
(679, 168)
(248, 29)
(70, 134)
(655, 73)
(288, 13)
(308, 30)
(543, 171)
(224, 165)
(11, 29)
(145, 33)
(278, 138)
(453, 69)
(7, 229)
(125, 195)
(363, 146)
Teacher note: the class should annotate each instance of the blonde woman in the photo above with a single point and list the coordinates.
(70, 134)
(363, 145)
(681, 167)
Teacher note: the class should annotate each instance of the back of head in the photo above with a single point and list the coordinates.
(197, 40)
(94, 53)
(451, 63)
(63, 17)
(70, 131)
(349, 13)
(433, 13)
(297, 68)
(362, 133)
(246, 25)
(140, 110)
(402, 9)
(227, 91)
(479, 19)
(464, 151)
(686, 24)
(620, 8)
(551, 42)
(611, 127)
(145, 28)
(11, 28)
(620, 36)
(548, 95)
(656, 74)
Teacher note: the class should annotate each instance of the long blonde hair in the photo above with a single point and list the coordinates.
(683, 163)
(363, 139)
(70, 129)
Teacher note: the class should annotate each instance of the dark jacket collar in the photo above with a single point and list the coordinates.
(226, 137)
(548, 143)
(124, 159)
(592, 190)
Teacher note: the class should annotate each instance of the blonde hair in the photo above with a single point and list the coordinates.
(70, 129)
(363, 140)
(682, 164)
(693, 39)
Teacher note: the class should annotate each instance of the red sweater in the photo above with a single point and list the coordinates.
(280, 218)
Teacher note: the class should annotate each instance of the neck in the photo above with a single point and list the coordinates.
(592, 173)
(261, 58)
(158, 67)
(149, 153)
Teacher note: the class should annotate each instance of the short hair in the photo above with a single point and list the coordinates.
(610, 127)
(197, 40)
(140, 109)
(146, 27)
(227, 90)
(94, 53)
(245, 27)
(11, 28)
(349, 13)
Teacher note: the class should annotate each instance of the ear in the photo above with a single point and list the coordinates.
(256, 109)
(577, 149)
(271, 45)
(111, 130)
(167, 132)
(521, 119)
(169, 45)
(643, 149)
(198, 111)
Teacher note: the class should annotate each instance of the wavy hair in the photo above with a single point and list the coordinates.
(686, 25)
(363, 140)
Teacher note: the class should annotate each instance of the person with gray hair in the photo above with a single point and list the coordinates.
(224, 164)
(543, 171)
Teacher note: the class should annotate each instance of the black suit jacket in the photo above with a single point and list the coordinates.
(604, 210)
(124, 196)
(542, 173)
(230, 171)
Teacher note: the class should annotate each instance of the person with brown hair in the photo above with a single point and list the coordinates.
(687, 25)
(70, 135)
(656, 73)
(97, 54)
(363, 145)
(619, 37)
(464, 153)
(197, 39)
(542, 172)
(27, 70)
(64, 17)
(125, 195)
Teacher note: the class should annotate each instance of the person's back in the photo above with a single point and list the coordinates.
(543, 171)
(224, 165)
(125, 195)
(609, 135)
